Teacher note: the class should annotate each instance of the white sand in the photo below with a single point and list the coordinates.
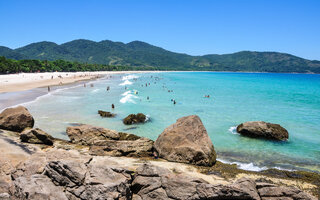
(26, 81)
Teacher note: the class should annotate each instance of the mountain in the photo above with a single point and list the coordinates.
(141, 54)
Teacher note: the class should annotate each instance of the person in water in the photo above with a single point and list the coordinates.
(112, 106)
(48, 88)
(147, 97)
(174, 102)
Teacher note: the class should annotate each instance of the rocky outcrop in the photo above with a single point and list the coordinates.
(134, 119)
(106, 114)
(151, 182)
(141, 147)
(87, 134)
(37, 186)
(90, 181)
(36, 136)
(16, 119)
(260, 129)
(68, 174)
(186, 141)
(269, 191)
(103, 141)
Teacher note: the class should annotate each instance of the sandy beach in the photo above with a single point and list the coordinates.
(27, 81)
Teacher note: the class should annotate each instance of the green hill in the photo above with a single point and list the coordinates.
(141, 54)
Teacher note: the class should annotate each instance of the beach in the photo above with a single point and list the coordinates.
(27, 81)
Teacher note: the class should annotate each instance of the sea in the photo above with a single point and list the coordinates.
(291, 100)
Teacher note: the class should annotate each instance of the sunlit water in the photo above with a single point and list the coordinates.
(292, 100)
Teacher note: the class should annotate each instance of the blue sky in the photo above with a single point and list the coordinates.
(194, 27)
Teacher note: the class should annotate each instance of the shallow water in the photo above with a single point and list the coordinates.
(292, 100)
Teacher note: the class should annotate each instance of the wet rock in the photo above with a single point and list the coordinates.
(87, 134)
(134, 119)
(141, 147)
(186, 141)
(36, 136)
(260, 129)
(106, 114)
(16, 119)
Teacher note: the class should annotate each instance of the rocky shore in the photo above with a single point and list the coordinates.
(98, 163)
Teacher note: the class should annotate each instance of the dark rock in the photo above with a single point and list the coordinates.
(186, 141)
(36, 136)
(106, 114)
(87, 134)
(16, 119)
(260, 129)
(134, 119)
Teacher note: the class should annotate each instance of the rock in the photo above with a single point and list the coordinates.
(186, 141)
(37, 187)
(151, 182)
(134, 119)
(247, 185)
(36, 136)
(141, 147)
(87, 134)
(260, 129)
(106, 114)
(272, 192)
(16, 119)
(90, 181)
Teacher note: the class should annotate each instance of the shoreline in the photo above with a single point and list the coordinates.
(28, 81)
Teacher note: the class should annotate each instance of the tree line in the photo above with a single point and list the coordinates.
(9, 66)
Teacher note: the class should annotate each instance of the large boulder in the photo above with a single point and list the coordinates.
(134, 119)
(186, 141)
(87, 134)
(16, 119)
(36, 136)
(260, 129)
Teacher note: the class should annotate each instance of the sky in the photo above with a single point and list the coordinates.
(195, 27)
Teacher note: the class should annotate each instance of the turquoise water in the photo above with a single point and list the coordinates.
(292, 100)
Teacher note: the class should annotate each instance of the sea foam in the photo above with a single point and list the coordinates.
(233, 130)
(129, 98)
(126, 82)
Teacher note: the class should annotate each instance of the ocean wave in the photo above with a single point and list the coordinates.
(95, 91)
(126, 82)
(126, 93)
(233, 130)
(147, 118)
(128, 77)
(129, 98)
(245, 166)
